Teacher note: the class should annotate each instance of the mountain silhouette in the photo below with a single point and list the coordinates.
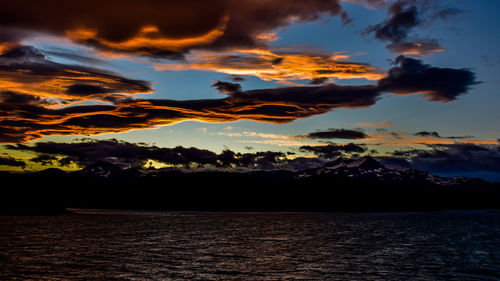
(359, 184)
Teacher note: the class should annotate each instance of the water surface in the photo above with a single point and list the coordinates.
(117, 245)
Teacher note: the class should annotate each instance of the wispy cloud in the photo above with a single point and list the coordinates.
(27, 113)
(404, 16)
(25, 69)
(279, 66)
(381, 124)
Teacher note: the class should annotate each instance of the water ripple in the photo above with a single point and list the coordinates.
(104, 245)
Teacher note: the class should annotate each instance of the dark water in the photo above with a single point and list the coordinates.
(103, 245)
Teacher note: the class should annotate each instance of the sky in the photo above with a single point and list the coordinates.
(286, 84)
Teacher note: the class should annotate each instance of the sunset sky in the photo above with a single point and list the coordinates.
(413, 83)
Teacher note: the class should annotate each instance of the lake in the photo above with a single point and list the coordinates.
(129, 245)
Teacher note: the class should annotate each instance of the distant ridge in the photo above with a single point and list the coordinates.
(357, 184)
(369, 169)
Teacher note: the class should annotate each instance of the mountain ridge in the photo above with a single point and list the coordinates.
(360, 184)
(364, 168)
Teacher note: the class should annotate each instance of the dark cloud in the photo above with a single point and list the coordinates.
(452, 158)
(34, 85)
(436, 135)
(332, 150)
(84, 89)
(45, 159)
(403, 17)
(117, 152)
(437, 84)
(137, 155)
(276, 61)
(459, 137)
(163, 28)
(428, 134)
(23, 117)
(227, 87)
(26, 69)
(395, 135)
(336, 134)
(415, 48)
(449, 159)
(22, 53)
(303, 163)
(319, 80)
(265, 160)
(11, 161)
(236, 78)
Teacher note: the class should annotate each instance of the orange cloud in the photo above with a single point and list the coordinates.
(281, 67)
(148, 38)
(162, 29)
(270, 139)
(25, 69)
(381, 124)
(399, 139)
(24, 117)
(29, 82)
(415, 48)
(479, 141)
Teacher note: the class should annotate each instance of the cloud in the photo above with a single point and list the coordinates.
(411, 76)
(383, 137)
(403, 17)
(47, 160)
(436, 135)
(437, 84)
(117, 152)
(38, 98)
(452, 158)
(381, 124)
(415, 48)
(270, 139)
(166, 29)
(319, 81)
(138, 155)
(26, 69)
(279, 66)
(236, 78)
(428, 134)
(445, 159)
(255, 135)
(23, 117)
(227, 87)
(11, 161)
(336, 134)
(332, 150)
(74, 56)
